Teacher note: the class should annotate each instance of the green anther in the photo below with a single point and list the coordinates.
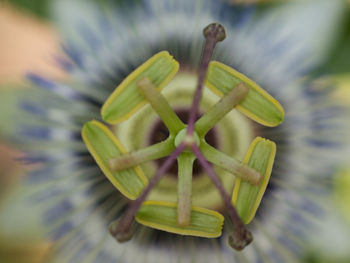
(163, 216)
(126, 99)
(103, 146)
(187, 139)
(257, 105)
(247, 197)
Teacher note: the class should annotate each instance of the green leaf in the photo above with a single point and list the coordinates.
(257, 105)
(103, 146)
(163, 216)
(126, 98)
(247, 197)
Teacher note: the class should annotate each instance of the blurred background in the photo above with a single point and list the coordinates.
(30, 42)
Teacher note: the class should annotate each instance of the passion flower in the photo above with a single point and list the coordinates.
(276, 48)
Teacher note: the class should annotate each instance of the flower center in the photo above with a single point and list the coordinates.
(159, 133)
(232, 135)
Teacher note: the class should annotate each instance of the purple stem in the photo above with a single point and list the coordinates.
(122, 230)
(241, 236)
(213, 33)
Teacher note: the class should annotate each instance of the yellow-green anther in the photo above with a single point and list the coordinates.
(257, 105)
(184, 188)
(246, 197)
(103, 146)
(160, 105)
(137, 157)
(220, 109)
(126, 99)
(222, 160)
(163, 216)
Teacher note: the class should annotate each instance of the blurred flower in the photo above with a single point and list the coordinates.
(21, 237)
(333, 241)
(16, 57)
(278, 48)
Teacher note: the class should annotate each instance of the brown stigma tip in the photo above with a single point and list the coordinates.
(119, 232)
(216, 31)
(239, 239)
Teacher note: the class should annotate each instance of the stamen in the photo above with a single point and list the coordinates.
(160, 105)
(241, 237)
(184, 188)
(220, 109)
(258, 105)
(121, 229)
(153, 152)
(230, 164)
(213, 34)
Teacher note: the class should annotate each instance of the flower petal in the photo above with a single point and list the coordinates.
(163, 216)
(126, 99)
(257, 105)
(103, 146)
(247, 197)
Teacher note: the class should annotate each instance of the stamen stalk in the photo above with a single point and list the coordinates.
(230, 164)
(147, 154)
(220, 109)
(184, 189)
(160, 105)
